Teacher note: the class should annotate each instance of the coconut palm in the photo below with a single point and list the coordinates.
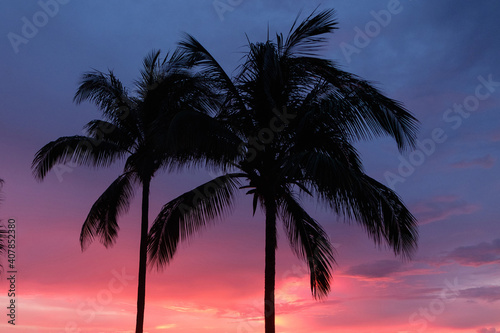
(137, 129)
(299, 116)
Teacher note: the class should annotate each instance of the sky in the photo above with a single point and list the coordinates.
(439, 58)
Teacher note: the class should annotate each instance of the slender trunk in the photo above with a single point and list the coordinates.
(270, 268)
(141, 290)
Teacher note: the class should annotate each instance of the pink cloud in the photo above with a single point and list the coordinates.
(487, 330)
(484, 162)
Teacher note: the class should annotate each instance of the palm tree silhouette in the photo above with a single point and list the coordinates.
(141, 129)
(298, 115)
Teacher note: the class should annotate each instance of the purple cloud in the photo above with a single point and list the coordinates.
(484, 162)
(475, 255)
(441, 207)
(486, 293)
(377, 269)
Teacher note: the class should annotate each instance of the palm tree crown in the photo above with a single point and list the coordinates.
(297, 117)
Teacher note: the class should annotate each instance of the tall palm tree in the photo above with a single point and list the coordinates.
(298, 116)
(138, 128)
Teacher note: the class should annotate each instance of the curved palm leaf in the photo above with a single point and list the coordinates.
(306, 38)
(356, 196)
(78, 149)
(104, 90)
(357, 107)
(199, 56)
(188, 213)
(309, 242)
(102, 219)
(390, 217)
(155, 70)
(108, 94)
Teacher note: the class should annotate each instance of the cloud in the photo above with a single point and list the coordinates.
(442, 207)
(486, 293)
(475, 255)
(377, 269)
(253, 310)
(485, 162)
(487, 330)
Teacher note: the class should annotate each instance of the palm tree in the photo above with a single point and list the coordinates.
(139, 128)
(298, 116)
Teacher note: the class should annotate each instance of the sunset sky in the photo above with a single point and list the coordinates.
(440, 58)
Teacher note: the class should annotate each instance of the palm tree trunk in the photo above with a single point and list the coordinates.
(141, 290)
(270, 268)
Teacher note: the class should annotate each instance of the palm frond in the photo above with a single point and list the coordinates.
(102, 130)
(385, 216)
(81, 150)
(180, 218)
(106, 91)
(381, 112)
(155, 70)
(357, 107)
(354, 195)
(309, 242)
(102, 219)
(197, 55)
(151, 64)
(307, 38)
(321, 163)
